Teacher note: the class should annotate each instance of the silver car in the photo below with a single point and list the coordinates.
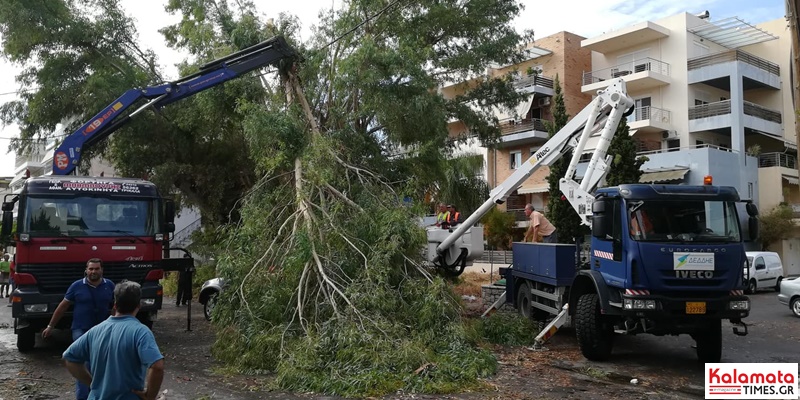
(209, 293)
(790, 294)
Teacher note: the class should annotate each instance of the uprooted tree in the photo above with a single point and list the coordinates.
(305, 170)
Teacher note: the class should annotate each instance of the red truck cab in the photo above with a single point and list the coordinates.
(63, 221)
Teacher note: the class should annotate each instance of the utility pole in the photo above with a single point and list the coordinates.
(792, 7)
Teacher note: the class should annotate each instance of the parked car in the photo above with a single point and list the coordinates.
(790, 294)
(766, 271)
(209, 293)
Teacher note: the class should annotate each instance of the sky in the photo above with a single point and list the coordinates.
(587, 18)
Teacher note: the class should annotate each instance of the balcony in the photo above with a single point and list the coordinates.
(526, 131)
(627, 37)
(650, 119)
(716, 69)
(717, 115)
(646, 73)
(769, 160)
(535, 84)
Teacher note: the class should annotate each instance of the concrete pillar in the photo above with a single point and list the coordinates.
(737, 125)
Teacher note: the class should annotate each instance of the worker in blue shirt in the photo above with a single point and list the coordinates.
(93, 298)
(125, 360)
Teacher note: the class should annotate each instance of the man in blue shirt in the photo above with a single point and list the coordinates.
(92, 297)
(125, 360)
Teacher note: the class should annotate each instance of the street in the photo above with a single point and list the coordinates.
(666, 367)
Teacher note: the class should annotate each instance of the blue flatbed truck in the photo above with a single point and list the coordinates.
(684, 275)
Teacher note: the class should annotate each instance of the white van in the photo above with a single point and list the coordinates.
(766, 270)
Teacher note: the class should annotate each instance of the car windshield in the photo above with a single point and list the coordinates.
(89, 216)
(683, 221)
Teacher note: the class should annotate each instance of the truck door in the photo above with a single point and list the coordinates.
(608, 253)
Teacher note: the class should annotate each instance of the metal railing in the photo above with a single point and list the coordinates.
(533, 124)
(533, 80)
(648, 113)
(700, 146)
(710, 110)
(647, 145)
(764, 113)
(767, 160)
(183, 237)
(617, 71)
(519, 214)
(733, 55)
(724, 107)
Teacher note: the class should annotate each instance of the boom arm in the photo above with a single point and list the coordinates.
(608, 108)
(68, 154)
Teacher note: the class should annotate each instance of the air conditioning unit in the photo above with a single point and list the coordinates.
(544, 102)
(669, 135)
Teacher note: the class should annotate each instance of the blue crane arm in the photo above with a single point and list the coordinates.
(111, 118)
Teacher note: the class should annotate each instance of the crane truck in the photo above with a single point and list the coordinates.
(64, 220)
(662, 260)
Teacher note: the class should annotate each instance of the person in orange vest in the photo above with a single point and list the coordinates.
(453, 217)
(646, 226)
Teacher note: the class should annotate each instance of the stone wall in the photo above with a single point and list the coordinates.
(490, 294)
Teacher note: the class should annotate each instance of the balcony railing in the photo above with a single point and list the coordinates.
(724, 107)
(710, 110)
(768, 160)
(641, 65)
(533, 80)
(699, 146)
(733, 55)
(764, 113)
(647, 113)
(534, 124)
(519, 214)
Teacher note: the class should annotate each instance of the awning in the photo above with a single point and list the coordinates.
(732, 33)
(663, 176)
(519, 112)
(791, 180)
(533, 189)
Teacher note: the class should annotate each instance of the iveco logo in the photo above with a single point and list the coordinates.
(678, 249)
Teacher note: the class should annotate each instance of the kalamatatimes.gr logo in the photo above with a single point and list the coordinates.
(751, 381)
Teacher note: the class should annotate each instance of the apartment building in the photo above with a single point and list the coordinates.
(523, 129)
(712, 98)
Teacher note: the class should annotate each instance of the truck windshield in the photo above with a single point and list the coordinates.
(89, 216)
(683, 221)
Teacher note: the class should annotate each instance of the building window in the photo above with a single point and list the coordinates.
(516, 159)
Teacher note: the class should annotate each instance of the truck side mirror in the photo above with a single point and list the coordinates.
(600, 220)
(169, 211)
(752, 209)
(600, 226)
(752, 227)
(8, 223)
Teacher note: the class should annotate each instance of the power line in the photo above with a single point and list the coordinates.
(370, 18)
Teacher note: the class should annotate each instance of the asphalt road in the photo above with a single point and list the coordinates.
(667, 364)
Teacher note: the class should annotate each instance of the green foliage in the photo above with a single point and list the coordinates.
(498, 227)
(507, 329)
(625, 165)
(560, 211)
(321, 255)
(775, 225)
(201, 274)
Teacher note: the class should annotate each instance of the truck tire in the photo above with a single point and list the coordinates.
(524, 300)
(595, 333)
(26, 340)
(709, 343)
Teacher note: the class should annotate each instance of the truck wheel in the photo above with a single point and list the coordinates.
(26, 340)
(751, 287)
(524, 299)
(778, 285)
(594, 331)
(709, 343)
